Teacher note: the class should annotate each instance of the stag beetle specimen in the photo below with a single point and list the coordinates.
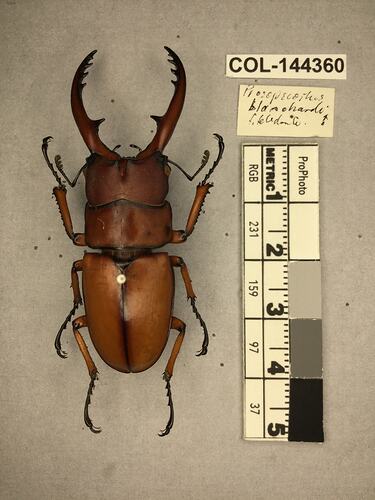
(128, 290)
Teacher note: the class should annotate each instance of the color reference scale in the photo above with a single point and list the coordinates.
(283, 384)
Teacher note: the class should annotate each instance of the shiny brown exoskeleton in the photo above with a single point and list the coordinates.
(128, 290)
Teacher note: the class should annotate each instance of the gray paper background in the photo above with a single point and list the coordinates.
(46, 453)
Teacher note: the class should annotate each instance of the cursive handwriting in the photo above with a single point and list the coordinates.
(274, 110)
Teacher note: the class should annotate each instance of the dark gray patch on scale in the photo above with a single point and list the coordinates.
(306, 348)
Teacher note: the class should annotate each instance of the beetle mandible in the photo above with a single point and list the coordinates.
(128, 290)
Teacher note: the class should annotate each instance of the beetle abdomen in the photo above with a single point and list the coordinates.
(122, 224)
(128, 322)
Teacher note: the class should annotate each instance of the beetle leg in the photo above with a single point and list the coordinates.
(180, 326)
(218, 158)
(201, 192)
(77, 301)
(179, 262)
(200, 195)
(45, 142)
(93, 371)
(60, 195)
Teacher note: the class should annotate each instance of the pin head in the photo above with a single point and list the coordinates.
(121, 278)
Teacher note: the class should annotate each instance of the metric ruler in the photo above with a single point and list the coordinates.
(281, 293)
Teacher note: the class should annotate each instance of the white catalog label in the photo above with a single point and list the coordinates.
(310, 66)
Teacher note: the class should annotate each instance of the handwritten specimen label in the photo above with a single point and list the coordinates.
(272, 110)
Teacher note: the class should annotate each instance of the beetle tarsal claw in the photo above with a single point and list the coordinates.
(86, 416)
(203, 350)
(58, 348)
(169, 425)
(46, 140)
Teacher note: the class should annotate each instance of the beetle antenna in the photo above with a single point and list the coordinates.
(206, 156)
(169, 425)
(203, 351)
(60, 168)
(86, 416)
